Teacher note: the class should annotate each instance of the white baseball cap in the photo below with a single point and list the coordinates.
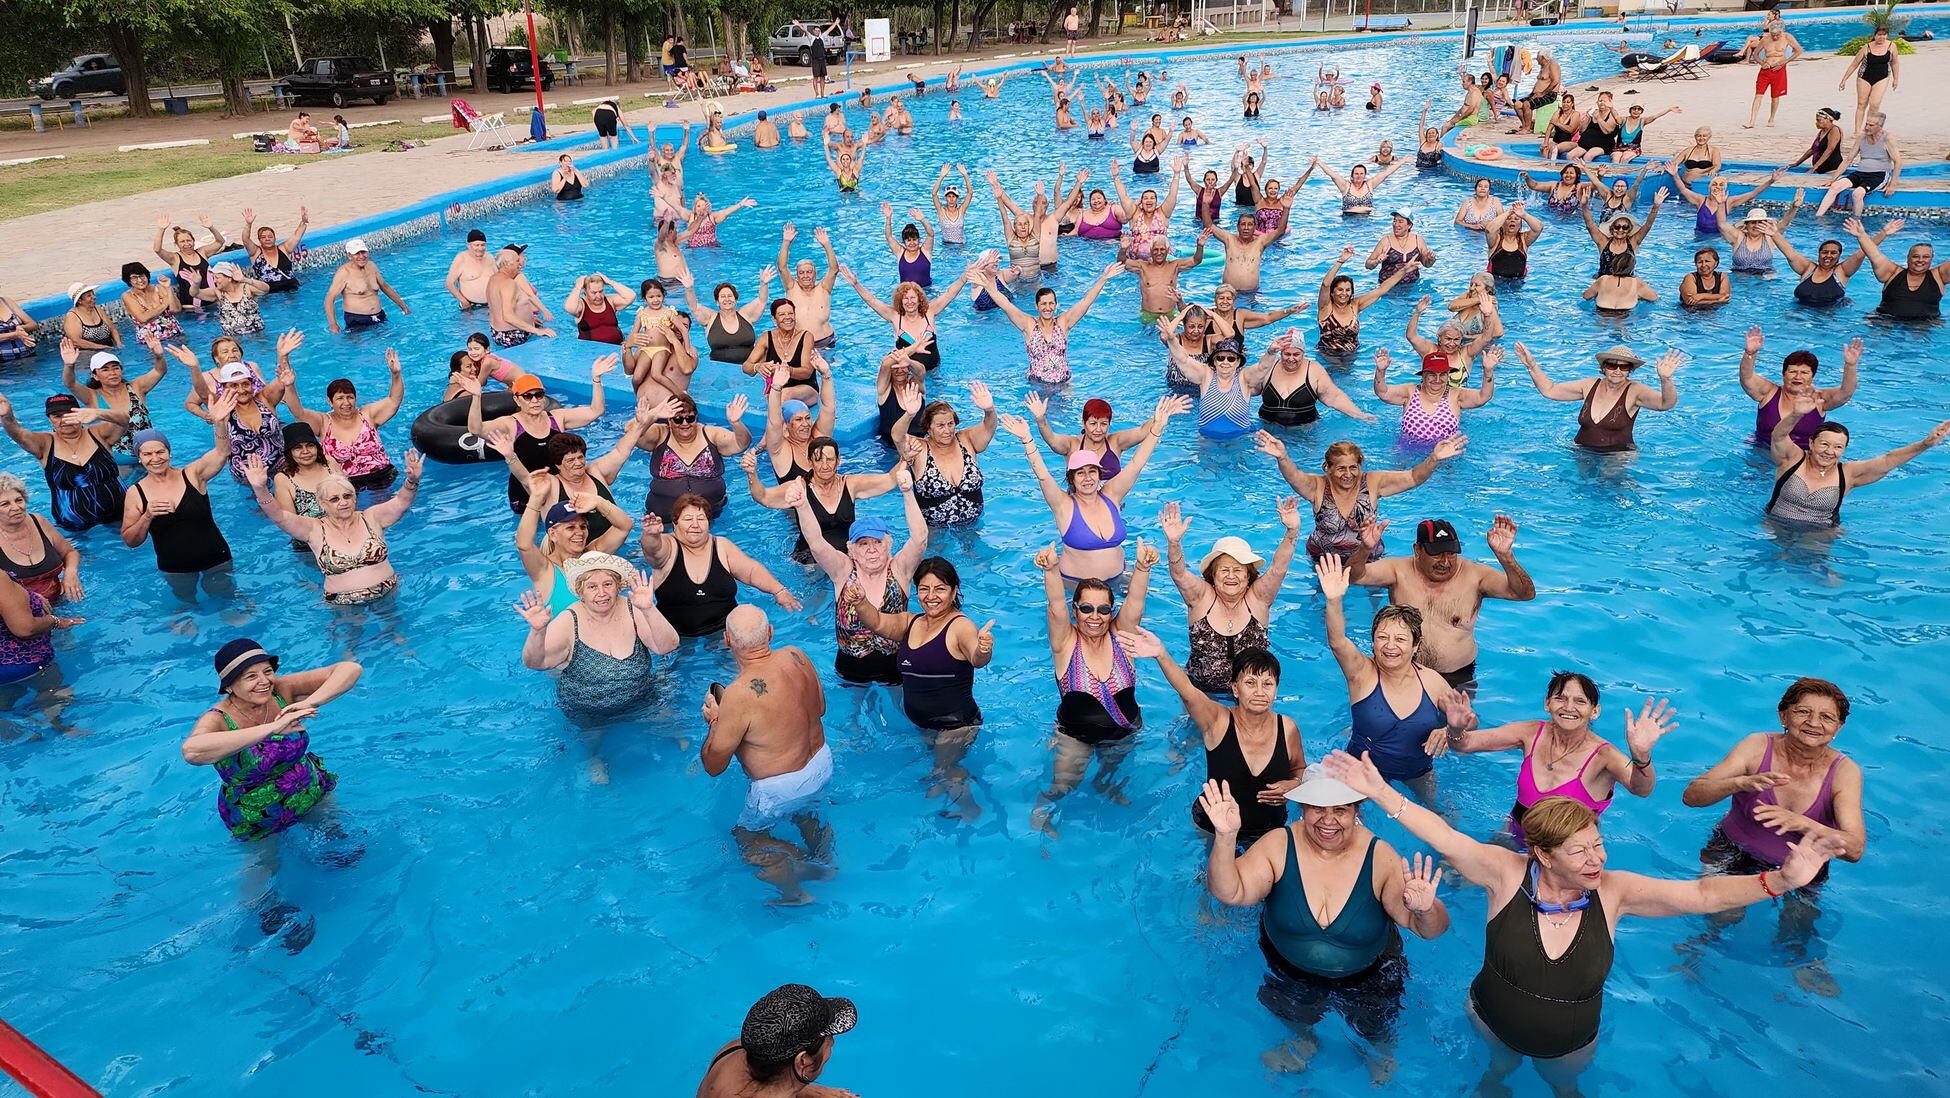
(356, 245)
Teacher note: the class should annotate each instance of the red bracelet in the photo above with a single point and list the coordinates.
(1763, 886)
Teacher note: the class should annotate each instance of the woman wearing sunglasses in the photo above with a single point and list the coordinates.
(687, 457)
(1098, 713)
(532, 421)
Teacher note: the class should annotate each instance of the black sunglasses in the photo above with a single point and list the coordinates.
(1102, 608)
(534, 395)
(681, 420)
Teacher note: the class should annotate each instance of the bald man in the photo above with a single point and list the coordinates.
(769, 719)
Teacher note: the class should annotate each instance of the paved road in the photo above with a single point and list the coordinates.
(156, 92)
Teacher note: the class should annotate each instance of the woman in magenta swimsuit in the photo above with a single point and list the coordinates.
(1562, 756)
(1422, 425)
(1099, 220)
(1086, 504)
(1797, 382)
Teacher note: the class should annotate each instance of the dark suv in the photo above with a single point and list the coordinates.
(508, 70)
(336, 80)
(91, 72)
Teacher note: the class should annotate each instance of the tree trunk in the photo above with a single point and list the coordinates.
(954, 25)
(1096, 18)
(234, 103)
(442, 33)
(126, 45)
(679, 27)
(983, 9)
(609, 46)
(632, 47)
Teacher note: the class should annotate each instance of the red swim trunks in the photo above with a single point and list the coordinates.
(1771, 81)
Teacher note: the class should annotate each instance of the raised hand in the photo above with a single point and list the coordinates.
(602, 366)
(643, 594)
(1359, 774)
(1755, 340)
(1371, 533)
(1270, 444)
(1146, 555)
(1458, 712)
(1451, 447)
(415, 464)
(1045, 557)
(1806, 858)
(1670, 362)
(1220, 809)
(532, 610)
(291, 340)
(1290, 513)
(985, 638)
(1174, 523)
(1644, 730)
(909, 398)
(1333, 576)
(1037, 404)
(748, 461)
(1419, 881)
(254, 475)
(736, 410)
(1015, 425)
(1503, 535)
(499, 437)
(980, 394)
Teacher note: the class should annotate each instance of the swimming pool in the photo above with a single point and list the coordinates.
(511, 926)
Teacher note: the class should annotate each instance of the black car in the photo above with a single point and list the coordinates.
(337, 80)
(509, 70)
(91, 72)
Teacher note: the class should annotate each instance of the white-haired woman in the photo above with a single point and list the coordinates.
(349, 543)
(601, 644)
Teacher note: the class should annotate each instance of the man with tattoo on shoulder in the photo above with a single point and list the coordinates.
(769, 718)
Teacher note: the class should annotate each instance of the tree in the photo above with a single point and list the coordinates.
(124, 26)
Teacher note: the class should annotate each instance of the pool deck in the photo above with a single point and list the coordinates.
(364, 194)
(1721, 98)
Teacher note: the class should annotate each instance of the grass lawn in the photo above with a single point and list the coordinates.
(90, 177)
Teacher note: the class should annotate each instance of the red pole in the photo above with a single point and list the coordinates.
(41, 1074)
(534, 58)
(1367, 16)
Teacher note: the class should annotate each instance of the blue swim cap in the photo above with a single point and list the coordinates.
(865, 528)
(793, 407)
(147, 435)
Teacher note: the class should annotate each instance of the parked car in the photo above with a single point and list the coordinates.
(89, 73)
(508, 70)
(794, 43)
(337, 80)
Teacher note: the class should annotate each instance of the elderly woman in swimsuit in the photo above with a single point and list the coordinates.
(1345, 494)
(565, 536)
(1796, 386)
(1701, 160)
(1717, 204)
(188, 261)
(349, 543)
(1566, 130)
(944, 446)
(1098, 712)
(1451, 341)
(1097, 438)
(1480, 209)
(1565, 194)
(1401, 250)
(1563, 755)
(1296, 386)
(1358, 188)
(1614, 390)
(1432, 408)
(911, 312)
(829, 494)
(1149, 217)
(1086, 506)
(33, 551)
(601, 642)
(1751, 240)
(1812, 481)
(1228, 600)
(1510, 241)
(1338, 309)
(1046, 335)
(1475, 310)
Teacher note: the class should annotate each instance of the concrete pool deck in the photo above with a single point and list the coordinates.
(1720, 100)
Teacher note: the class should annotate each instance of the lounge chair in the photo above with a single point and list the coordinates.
(484, 130)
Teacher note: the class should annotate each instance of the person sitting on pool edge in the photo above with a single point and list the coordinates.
(788, 1033)
(1354, 960)
(769, 719)
(1448, 590)
(359, 282)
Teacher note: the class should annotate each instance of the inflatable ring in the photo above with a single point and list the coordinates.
(718, 148)
(441, 431)
(1487, 152)
(1212, 255)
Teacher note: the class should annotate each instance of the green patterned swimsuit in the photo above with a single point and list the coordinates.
(270, 784)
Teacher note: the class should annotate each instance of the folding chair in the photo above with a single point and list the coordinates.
(1649, 70)
(484, 130)
(1684, 66)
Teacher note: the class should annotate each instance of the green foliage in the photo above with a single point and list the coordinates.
(1854, 46)
(517, 36)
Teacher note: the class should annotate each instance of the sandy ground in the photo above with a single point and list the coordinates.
(1723, 97)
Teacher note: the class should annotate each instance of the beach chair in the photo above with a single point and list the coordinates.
(1664, 68)
(483, 130)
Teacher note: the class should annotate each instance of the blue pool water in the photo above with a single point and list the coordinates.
(513, 927)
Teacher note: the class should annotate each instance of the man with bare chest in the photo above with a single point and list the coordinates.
(1158, 273)
(513, 312)
(769, 718)
(359, 282)
(1448, 590)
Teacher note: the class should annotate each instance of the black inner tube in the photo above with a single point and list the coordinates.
(441, 431)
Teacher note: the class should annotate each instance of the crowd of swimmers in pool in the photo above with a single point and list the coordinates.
(1334, 895)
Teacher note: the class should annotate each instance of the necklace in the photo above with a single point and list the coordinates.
(1564, 754)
